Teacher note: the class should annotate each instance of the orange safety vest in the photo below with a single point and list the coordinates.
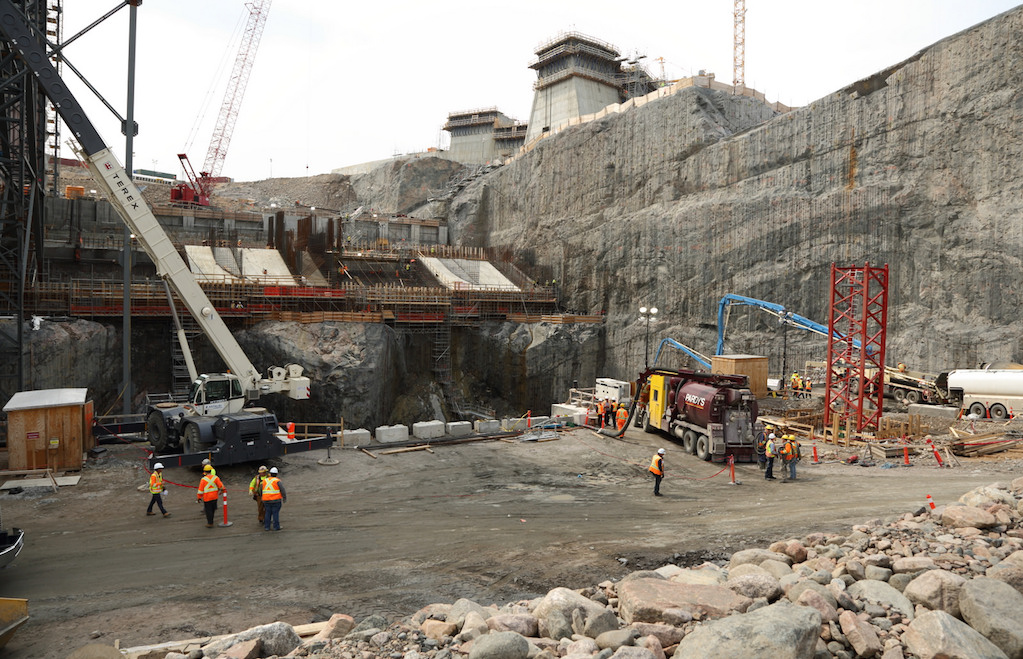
(788, 451)
(209, 487)
(655, 465)
(271, 488)
(156, 482)
(622, 415)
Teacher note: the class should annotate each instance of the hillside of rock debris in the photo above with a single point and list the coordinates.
(930, 584)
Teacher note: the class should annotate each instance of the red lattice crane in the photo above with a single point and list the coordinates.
(199, 190)
(739, 44)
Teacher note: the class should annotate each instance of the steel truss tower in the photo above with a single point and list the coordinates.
(857, 329)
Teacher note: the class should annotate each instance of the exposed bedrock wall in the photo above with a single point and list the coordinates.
(701, 194)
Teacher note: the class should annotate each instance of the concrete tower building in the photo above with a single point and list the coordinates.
(576, 75)
(480, 136)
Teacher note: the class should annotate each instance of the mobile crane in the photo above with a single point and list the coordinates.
(214, 422)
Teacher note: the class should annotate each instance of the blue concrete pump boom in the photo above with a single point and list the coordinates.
(699, 357)
(778, 310)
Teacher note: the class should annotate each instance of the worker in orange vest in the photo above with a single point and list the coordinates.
(657, 469)
(209, 490)
(600, 413)
(274, 497)
(157, 489)
(621, 416)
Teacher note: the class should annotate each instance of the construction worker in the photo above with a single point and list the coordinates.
(657, 469)
(609, 412)
(600, 413)
(274, 497)
(769, 451)
(157, 489)
(790, 454)
(206, 463)
(256, 490)
(621, 416)
(761, 446)
(795, 384)
(209, 490)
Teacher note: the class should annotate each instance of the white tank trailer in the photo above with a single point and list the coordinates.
(987, 393)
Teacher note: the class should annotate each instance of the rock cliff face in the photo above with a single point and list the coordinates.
(700, 194)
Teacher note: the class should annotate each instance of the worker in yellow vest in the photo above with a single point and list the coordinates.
(256, 490)
(657, 469)
(209, 491)
(274, 497)
(621, 417)
(157, 489)
(790, 454)
(795, 384)
(600, 413)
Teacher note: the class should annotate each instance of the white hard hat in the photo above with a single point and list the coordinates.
(158, 465)
(205, 461)
(660, 451)
(273, 470)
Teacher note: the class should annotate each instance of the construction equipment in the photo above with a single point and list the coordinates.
(197, 190)
(214, 421)
(700, 358)
(714, 415)
(985, 393)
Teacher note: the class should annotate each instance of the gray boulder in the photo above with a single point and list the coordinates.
(986, 494)
(757, 556)
(500, 645)
(461, 608)
(520, 623)
(995, 609)
(668, 635)
(633, 652)
(704, 577)
(799, 587)
(756, 585)
(937, 590)
(615, 639)
(780, 631)
(881, 593)
(555, 611)
(1010, 573)
(860, 634)
(276, 638)
(937, 635)
(967, 516)
(594, 624)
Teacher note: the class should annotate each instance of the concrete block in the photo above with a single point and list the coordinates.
(385, 434)
(569, 413)
(538, 421)
(357, 437)
(944, 411)
(428, 429)
(514, 424)
(488, 426)
(459, 428)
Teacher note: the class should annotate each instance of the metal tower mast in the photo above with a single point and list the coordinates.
(258, 11)
(739, 45)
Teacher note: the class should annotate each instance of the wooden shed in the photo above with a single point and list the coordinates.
(48, 428)
(754, 367)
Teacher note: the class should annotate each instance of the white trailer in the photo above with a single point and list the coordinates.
(618, 391)
(987, 393)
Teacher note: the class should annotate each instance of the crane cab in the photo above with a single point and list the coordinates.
(213, 394)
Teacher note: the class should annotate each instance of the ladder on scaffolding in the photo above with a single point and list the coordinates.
(442, 350)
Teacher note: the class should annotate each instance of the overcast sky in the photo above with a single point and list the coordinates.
(336, 83)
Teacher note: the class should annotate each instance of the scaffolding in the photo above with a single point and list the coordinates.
(857, 329)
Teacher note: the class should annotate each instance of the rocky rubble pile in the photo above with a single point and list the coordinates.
(930, 584)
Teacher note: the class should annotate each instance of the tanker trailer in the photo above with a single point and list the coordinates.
(713, 415)
(987, 393)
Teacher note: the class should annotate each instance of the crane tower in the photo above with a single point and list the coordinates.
(739, 45)
(258, 11)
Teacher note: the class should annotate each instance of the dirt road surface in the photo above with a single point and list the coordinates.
(493, 521)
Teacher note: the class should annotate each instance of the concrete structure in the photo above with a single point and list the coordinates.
(387, 434)
(487, 426)
(428, 429)
(357, 437)
(576, 75)
(371, 229)
(569, 413)
(459, 428)
(204, 266)
(467, 274)
(480, 136)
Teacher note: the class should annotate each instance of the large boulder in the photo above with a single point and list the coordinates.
(500, 645)
(937, 590)
(276, 638)
(520, 623)
(1010, 573)
(554, 612)
(987, 494)
(995, 609)
(779, 631)
(756, 556)
(461, 608)
(966, 516)
(860, 634)
(706, 577)
(881, 593)
(644, 600)
(937, 635)
(756, 585)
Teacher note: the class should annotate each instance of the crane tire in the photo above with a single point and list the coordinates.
(156, 431)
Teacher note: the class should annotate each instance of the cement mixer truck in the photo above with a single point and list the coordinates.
(715, 416)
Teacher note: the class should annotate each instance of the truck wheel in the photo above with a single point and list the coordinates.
(998, 411)
(689, 441)
(912, 397)
(899, 395)
(156, 431)
(979, 410)
(647, 427)
(703, 448)
(190, 439)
